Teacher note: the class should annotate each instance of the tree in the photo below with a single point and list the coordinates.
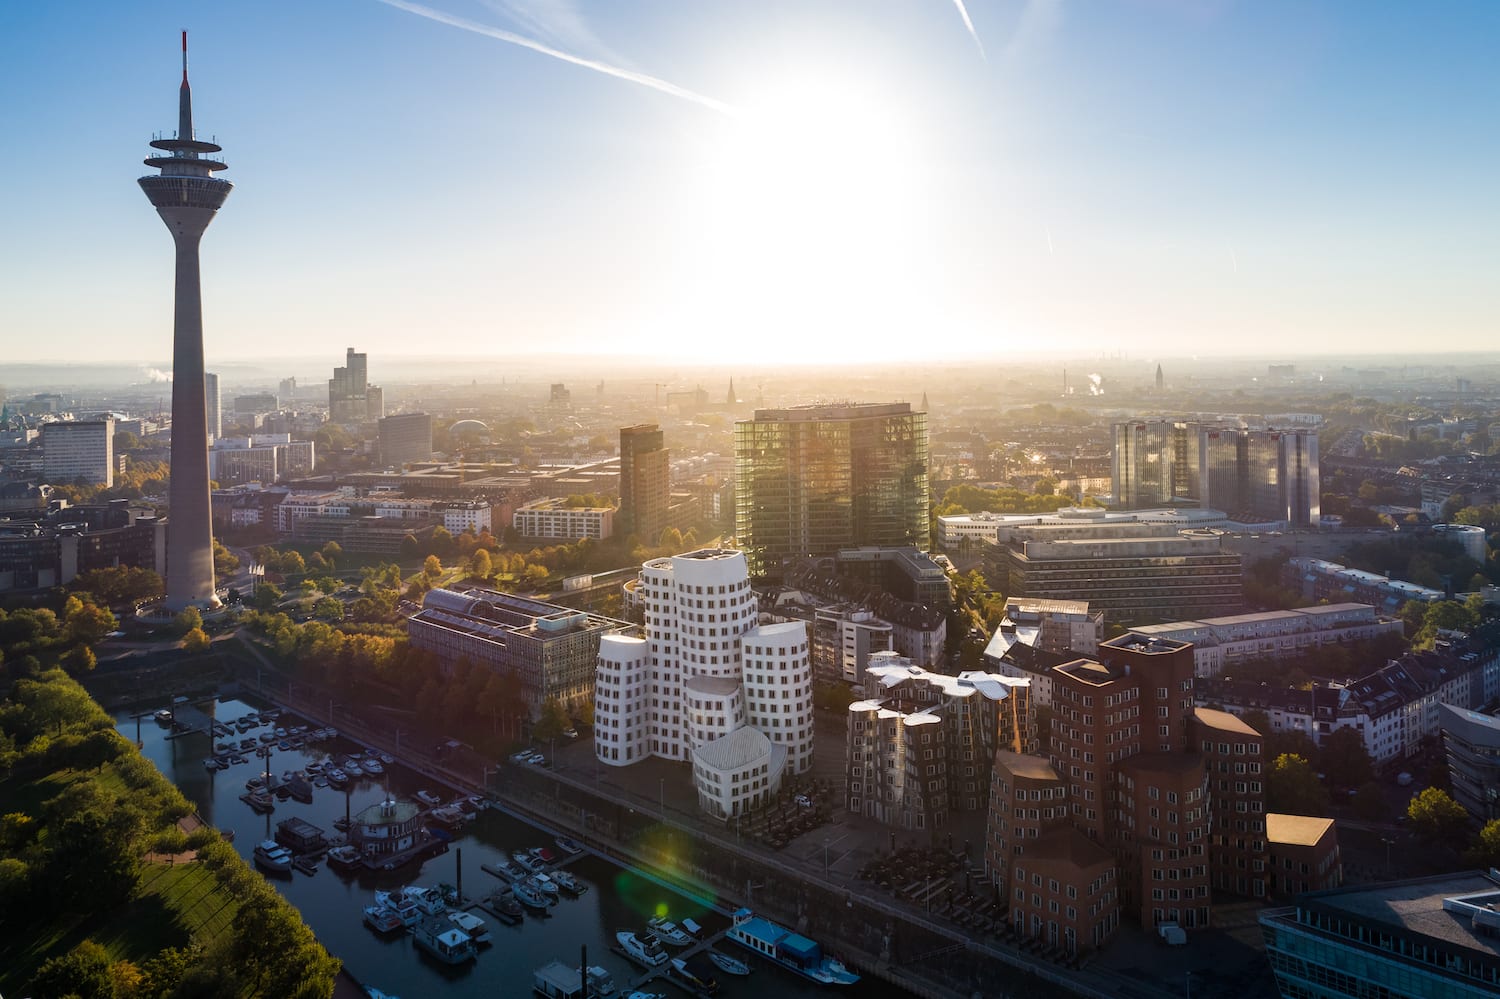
(1344, 759)
(442, 540)
(480, 564)
(332, 552)
(83, 972)
(1437, 817)
(1485, 852)
(225, 561)
(328, 609)
(552, 722)
(187, 620)
(432, 568)
(196, 640)
(1293, 788)
(87, 622)
(267, 596)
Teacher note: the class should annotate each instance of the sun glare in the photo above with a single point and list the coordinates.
(809, 225)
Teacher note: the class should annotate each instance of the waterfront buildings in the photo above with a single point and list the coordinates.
(919, 744)
(1223, 642)
(405, 439)
(551, 649)
(812, 480)
(351, 397)
(554, 519)
(707, 685)
(645, 482)
(82, 451)
(1139, 802)
(1433, 936)
(187, 196)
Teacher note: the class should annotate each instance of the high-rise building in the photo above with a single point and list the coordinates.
(1252, 474)
(814, 479)
(187, 195)
(707, 685)
(287, 390)
(351, 397)
(213, 404)
(645, 482)
(79, 451)
(406, 438)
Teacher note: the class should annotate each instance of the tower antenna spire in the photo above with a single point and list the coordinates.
(184, 56)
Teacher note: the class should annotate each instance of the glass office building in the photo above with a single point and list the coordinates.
(811, 480)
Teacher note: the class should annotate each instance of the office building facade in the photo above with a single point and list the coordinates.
(405, 439)
(351, 397)
(79, 452)
(812, 480)
(645, 482)
(213, 405)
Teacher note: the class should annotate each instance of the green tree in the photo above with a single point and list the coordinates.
(267, 596)
(87, 622)
(225, 561)
(1485, 852)
(83, 971)
(196, 640)
(552, 721)
(329, 609)
(187, 620)
(1293, 788)
(671, 538)
(480, 564)
(332, 552)
(1343, 759)
(442, 540)
(432, 567)
(1437, 817)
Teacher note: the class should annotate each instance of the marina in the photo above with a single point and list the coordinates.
(338, 900)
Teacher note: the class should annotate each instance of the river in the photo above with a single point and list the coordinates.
(331, 902)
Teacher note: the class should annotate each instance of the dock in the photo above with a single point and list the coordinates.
(664, 973)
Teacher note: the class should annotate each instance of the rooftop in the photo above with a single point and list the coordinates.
(1026, 765)
(1296, 830)
(1223, 721)
(1068, 845)
(1420, 906)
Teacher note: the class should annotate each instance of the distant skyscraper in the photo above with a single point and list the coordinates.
(287, 390)
(645, 482)
(187, 196)
(405, 439)
(350, 391)
(1159, 380)
(814, 479)
(74, 451)
(214, 404)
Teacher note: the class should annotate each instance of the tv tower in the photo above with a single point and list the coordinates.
(187, 195)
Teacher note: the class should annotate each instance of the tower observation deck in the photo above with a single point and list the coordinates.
(187, 196)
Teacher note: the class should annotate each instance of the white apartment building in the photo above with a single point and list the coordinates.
(997, 528)
(475, 515)
(550, 518)
(79, 450)
(1219, 642)
(706, 685)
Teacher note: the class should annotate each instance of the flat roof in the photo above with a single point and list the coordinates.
(1296, 830)
(1416, 906)
(1068, 845)
(1026, 765)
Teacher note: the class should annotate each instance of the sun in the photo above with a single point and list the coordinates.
(809, 228)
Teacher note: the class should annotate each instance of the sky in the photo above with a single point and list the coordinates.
(799, 181)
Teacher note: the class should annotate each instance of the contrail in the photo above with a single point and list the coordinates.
(963, 12)
(527, 43)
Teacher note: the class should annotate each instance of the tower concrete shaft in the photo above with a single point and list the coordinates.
(187, 196)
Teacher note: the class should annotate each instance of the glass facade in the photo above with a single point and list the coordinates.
(815, 479)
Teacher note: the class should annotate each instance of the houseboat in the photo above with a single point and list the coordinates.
(792, 951)
(444, 941)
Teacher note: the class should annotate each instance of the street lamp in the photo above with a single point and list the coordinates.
(1387, 840)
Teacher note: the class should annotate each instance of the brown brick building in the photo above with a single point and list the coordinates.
(1304, 854)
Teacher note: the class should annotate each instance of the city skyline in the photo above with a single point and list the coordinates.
(1158, 177)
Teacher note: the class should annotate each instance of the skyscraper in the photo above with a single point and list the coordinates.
(351, 397)
(214, 405)
(82, 451)
(814, 479)
(645, 482)
(187, 196)
(405, 439)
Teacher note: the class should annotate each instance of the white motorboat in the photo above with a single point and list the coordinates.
(643, 950)
(427, 798)
(728, 963)
(668, 931)
(273, 856)
(382, 919)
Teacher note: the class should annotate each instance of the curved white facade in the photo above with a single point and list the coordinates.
(778, 688)
(622, 701)
(706, 685)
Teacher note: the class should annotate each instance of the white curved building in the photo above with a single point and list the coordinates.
(706, 685)
(622, 703)
(1474, 540)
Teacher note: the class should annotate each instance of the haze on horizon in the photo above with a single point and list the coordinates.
(796, 180)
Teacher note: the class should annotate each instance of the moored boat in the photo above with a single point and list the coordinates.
(728, 963)
(402, 906)
(668, 931)
(545, 885)
(344, 858)
(527, 861)
(695, 973)
(528, 896)
(444, 941)
(382, 920)
(568, 883)
(791, 950)
(273, 857)
(477, 929)
(644, 950)
(569, 846)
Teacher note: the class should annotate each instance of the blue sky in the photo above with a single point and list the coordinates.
(1162, 176)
